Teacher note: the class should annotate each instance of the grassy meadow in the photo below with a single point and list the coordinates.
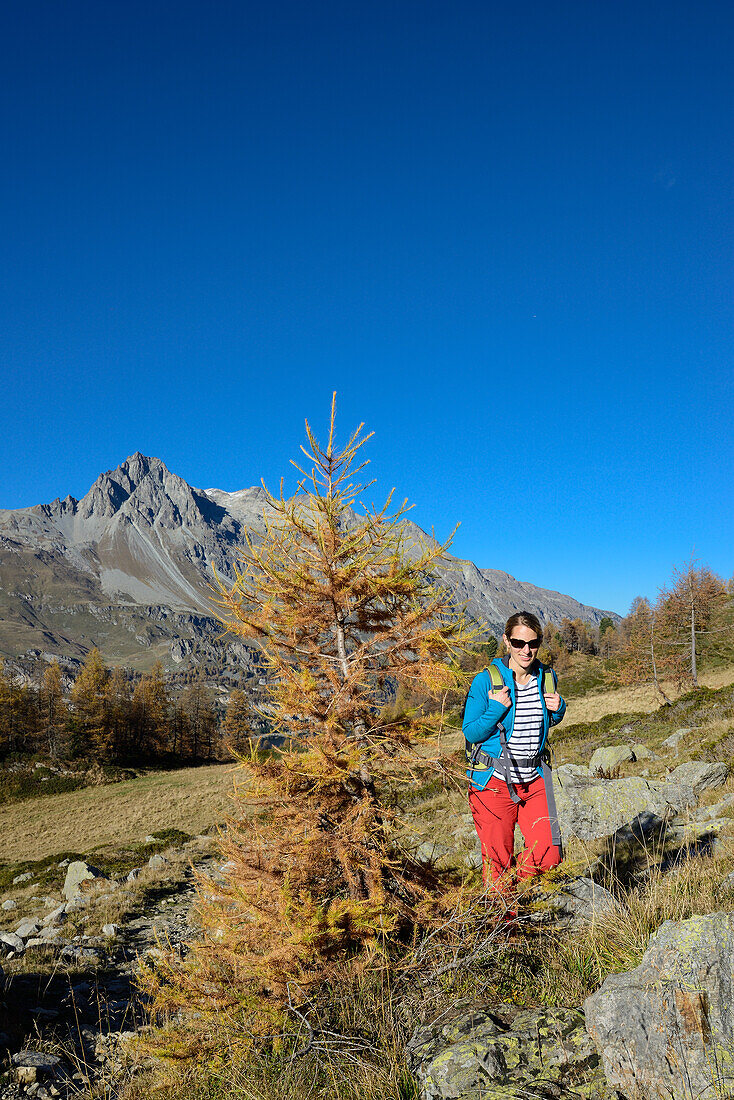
(94, 818)
(643, 697)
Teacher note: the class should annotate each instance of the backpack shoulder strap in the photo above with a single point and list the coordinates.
(550, 681)
(496, 682)
(495, 676)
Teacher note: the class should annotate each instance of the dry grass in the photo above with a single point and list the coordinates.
(567, 968)
(356, 1051)
(596, 705)
(191, 799)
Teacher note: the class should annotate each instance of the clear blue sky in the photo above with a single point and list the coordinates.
(502, 232)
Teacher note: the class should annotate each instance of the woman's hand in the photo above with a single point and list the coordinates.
(502, 696)
(553, 702)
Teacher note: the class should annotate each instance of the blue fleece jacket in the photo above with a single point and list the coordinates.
(483, 713)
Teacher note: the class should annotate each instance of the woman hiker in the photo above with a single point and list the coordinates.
(506, 725)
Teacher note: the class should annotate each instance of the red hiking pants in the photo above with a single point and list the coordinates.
(495, 816)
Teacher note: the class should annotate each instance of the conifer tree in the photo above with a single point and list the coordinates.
(52, 709)
(151, 707)
(662, 641)
(238, 721)
(200, 721)
(646, 657)
(118, 702)
(688, 607)
(8, 714)
(317, 882)
(89, 718)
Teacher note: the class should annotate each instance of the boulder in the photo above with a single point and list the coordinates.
(591, 808)
(83, 956)
(56, 916)
(77, 873)
(499, 1056)
(28, 927)
(30, 1066)
(717, 809)
(586, 900)
(671, 743)
(473, 859)
(39, 945)
(10, 942)
(696, 833)
(726, 886)
(687, 782)
(157, 862)
(642, 752)
(430, 852)
(571, 771)
(9, 904)
(609, 757)
(666, 1028)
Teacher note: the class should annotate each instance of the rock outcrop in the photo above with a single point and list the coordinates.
(666, 1028)
(504, 1055)
(591, 808)
(609, 757)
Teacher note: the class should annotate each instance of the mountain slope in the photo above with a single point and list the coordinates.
(129, 568)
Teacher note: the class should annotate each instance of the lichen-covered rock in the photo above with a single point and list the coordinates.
(609, 757)
(430, 852)
(591, 808)
(500, 1055)
(676, 739)
(722, 807)
(688, 781)
(666, 1028)
(571, 771)
(642, 752)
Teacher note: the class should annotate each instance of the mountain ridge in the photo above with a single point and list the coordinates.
(129, 567)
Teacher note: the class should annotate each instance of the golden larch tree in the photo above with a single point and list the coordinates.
(316, 882)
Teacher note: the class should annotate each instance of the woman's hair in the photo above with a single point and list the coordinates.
(523, 618)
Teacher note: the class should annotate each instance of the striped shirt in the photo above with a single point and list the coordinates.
(527, 731)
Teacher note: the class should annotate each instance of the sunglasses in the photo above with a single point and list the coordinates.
(518, 643)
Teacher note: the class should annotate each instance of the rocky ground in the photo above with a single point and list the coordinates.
(70, 1008)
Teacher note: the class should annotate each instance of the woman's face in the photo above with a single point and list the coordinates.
(522, 655)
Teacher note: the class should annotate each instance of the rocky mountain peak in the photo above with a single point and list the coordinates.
(146, 482)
